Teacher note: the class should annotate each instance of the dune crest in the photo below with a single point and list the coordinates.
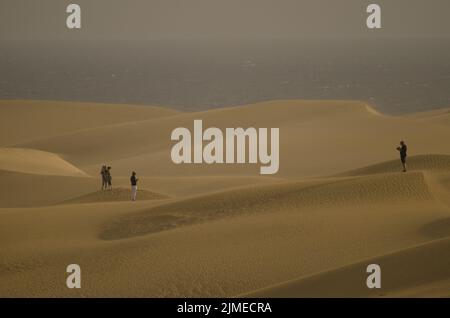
(115, 195)
(36, 162)
(408, 272)
(43, 119)
(432, 162)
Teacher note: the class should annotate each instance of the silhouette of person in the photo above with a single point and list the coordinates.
(109, 177)
(104, 178)
(403, 154)
(134, 181)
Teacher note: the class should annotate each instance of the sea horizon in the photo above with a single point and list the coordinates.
(199, 75)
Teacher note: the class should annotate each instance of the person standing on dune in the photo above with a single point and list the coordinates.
(104, 178)
(109, 178)
(403, 149)
(134, 181)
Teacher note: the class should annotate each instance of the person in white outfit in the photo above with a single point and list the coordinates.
(134, 181)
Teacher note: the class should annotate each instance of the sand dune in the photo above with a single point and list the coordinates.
(144, 144)
(49, 118)
(440, 116)
(256, 250)
(28, 190)
(114, 195)
(191, 186)
(415, 163)
(338, 203)
(289, 196)
(415, 271)
(36, 162)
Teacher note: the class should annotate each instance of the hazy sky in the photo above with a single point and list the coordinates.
(142, 20)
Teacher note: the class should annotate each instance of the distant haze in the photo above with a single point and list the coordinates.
(142, 20)
(201, 54)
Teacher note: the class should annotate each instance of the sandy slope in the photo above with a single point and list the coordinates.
(115, 195)
(391, 188)
(256, 247)
(31, 190)
(435, 163)
(226, 231)
(36, 162)
(28, 190)
(48, 118)
(440, 116)
(308, 146)
(416, 271)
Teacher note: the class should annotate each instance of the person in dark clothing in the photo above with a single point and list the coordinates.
(403, 154)
(134, 182)
(104, 178)
(109, 177)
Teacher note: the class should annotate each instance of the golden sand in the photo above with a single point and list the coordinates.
(338, 203)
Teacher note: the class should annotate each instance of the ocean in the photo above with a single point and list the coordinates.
(396, 76)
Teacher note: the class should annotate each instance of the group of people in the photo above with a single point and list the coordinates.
(107, 179)
(105, 172)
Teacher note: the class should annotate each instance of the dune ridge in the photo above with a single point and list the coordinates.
(408, 272)
(52, 118)
(143, 144)
(114, 195)
(430, 162)
(288, 196)
(36, 162)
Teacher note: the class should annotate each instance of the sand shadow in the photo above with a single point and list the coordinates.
(146, 224)
(437, 229)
